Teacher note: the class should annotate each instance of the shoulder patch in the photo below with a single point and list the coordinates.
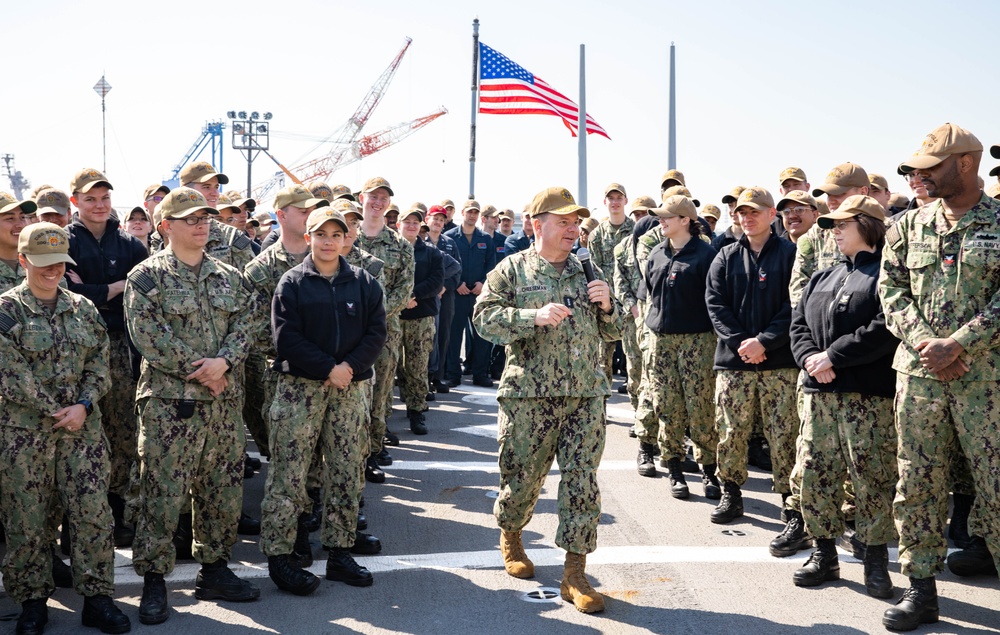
(256, 272)
(143, 282)
(241, 242)
(892, 236)
(375, 267)
(7, 323)
(497, 282)
(247, 285)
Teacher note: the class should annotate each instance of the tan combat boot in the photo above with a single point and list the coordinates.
(576, 588)
(515, 561)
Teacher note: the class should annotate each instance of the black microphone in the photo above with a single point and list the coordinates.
(588, 269)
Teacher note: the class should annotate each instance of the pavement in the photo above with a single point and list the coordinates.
(662, 566)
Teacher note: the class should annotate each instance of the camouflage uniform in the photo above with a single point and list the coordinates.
(229, 245)
(551, 394)
(939, 281)
(626, 279)
(52, 361)
(815, 250)
(176, 317)
(602, 242)
(417, 340)
(10, 278)
(396, 255)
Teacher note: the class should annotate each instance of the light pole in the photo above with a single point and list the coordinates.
(102, 88)
(250, 136)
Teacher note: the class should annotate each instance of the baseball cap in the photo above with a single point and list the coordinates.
(87, 178)
(201, 172)
(319, 216)
(795, 174)
(392, 208)
(182, 202)
(44, 244)
(941, 143)
(797, 196)
(615, 187)
(413, 211)
(138, 208)
(53, 200)
(507, 214)
(471, 204)
(899, 200)
(993, 190)
(225, 202)
(320, 189)
(821, 207)
(446, 203)
(682, 191)
(842, 178)
(672, 175)
(489, 211)
(676, 205)
(643, 204)
(851, 207)
(236, 198)
(878, 182)
(589, 224)
(342, 191)
(995, 151)
(556, 200)
(346, 207)
(995, 171)
(8, 203)
(297, 196)
(437, 209)
(756, 198)
(733, 194)
(153, 189)
(374, 183)
(712, 210)
(264, 219)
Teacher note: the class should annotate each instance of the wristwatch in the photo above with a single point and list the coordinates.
(86, 404)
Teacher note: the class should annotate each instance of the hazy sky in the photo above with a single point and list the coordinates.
(760, 86)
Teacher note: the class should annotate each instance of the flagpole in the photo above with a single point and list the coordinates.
(581, 133)
(672, 141)
(475, 108)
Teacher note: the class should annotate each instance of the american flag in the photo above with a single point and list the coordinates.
(506, 88)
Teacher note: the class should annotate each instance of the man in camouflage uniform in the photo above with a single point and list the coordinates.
(397, 282)
(15, 215)
(539, 304)
(191, 317)
(940, 288)
(55, 350)
(225, 243)
(326, 345)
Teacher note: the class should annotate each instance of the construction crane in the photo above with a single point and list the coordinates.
(211, 136)
(17, 181)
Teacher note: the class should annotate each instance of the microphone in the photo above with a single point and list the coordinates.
(588, 269)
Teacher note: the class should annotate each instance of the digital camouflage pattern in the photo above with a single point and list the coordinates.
(815, 250)
(625, 278)
(312, 418)
(364, 260)
(418, 340)
(533, 432)
(10, 278)
(50, 362)
(740, 397)
(118, 420)
(602, 243)
(229, 245)
(678, 394)
(852, 433)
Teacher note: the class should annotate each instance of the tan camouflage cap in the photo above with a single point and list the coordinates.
(320, 189)
(374, 183)
(676, 205)
(201, 172)
(795, 174)
(842, 178)
(264, 219)
(236, 198)
(851, 207)
(44, 244)
(392, 208)
(342, 191)
(878, 182)
(415, 210)
(589, 224)
(899, 199)
(322, 215)
(615, 187)
(471, 204)
(756, 198)
(182, 202)
(53, 200)
(506, 214)
(643, 204)
(446, 203)
(796, 196)
(672, 175)
(346, 207)
(679, 190)
(556, 200)
(941, 143)
(733, 194)
(8, 203)
(88, 178)
(297, 196)
(711, 211)
(153, 189)
(488, 212)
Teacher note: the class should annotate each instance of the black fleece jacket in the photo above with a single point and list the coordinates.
(428, 280)
(675, 287)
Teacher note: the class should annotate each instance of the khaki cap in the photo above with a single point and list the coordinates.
(263, 219)
(182, 202)
(682, 191)
(44, 244)
(236, 198)
(153, 189)
(842, 178)
(471, 204)
(319, 216)
(320, 189)
(374, 183)
(589, 224)
(615, 187)
(822, 207)
(941, 143)
(437, 209)
(507, 214)
(851, 207)
(797, 196)
(201, 172)
(676, 205)
(8, 203)
(672, 175)
(53, 200)
(420, 207)
(225, 202)
(392, 208)
(756, 198)
(993, 190)
(878, 182)
(297, 196)
(489, 211)
(346, 207)
(446, 203)
(88, 178)
(138, 208)
(643, 204)
(795, 174)
(413, 211)
(556, 200)
(342, 191)
(711, 211)
(899, 200)
(733, 194)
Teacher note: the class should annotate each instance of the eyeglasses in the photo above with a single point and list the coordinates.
(193, 220)
(155, 198)
(796, 211)
(842, 225)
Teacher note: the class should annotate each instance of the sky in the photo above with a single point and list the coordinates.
(761, 86)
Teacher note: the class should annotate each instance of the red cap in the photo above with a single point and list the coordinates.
(437, 209)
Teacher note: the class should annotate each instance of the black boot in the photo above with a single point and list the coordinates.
(974, 560)
(301, 555)
(153, 605)
(678, 486)
(958, 528)
(365, 544)
(65, 540)
(215, 581)
(822, 566)
(849, 541)
(784, 510)
(644, 461)
(341, 567)
(919, 605)
(362, 521)
(417, 425)
(731, 506)
(248, 525)
(792, 538)
(34, 616)
(124, 533)
(713, 490)
(100, 612)
(314, 517)
(248, 471)
(758, 454)
(383, 458)
(289, 577)
(877, 580)
(183, 538)
(62, 573)
(373, 473)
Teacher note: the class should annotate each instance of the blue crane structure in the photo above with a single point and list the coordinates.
(211, 136)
